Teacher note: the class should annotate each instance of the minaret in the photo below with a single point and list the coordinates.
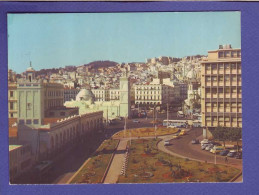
(125, 95)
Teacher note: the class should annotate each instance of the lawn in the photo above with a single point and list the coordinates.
(149, 165)
(94, 170)
(145, 132)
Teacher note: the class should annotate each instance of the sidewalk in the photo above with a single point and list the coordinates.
(116, 165)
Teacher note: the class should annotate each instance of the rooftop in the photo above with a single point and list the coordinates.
(13, 147)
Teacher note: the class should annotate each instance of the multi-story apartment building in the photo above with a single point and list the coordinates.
(221, 83)
(70, 93)
(157, 93)
(151, 94)
(101, 95)
(114, 94)
(12, 95)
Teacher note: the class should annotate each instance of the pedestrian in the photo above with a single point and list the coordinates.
(226, 159)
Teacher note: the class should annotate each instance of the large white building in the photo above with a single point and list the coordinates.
(156, 93)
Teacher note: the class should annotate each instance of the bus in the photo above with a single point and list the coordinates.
(175, 123)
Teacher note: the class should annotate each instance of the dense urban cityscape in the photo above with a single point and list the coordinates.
(100, 113)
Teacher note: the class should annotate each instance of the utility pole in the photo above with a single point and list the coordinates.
(215, 158)
(154, 115)
(167, 116)
(125, 125)
(107, 117)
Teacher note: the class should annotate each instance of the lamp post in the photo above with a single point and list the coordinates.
(167, 117)
(215, 162)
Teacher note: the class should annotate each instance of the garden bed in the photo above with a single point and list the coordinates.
(145, 132)
(95, 168)
(164, 168)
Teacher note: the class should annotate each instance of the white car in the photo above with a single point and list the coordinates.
(205, 141)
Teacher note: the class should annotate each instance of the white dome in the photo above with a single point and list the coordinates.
(85, 94)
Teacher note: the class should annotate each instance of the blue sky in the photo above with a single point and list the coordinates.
(57, 40)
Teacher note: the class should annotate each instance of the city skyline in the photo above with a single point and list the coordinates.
(66, 39)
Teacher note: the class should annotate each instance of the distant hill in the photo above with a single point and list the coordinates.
(101, 64)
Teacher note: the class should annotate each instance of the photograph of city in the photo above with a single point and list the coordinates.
(141, 97)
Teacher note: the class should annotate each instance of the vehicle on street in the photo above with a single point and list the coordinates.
(217, 149)
(136, 121)
(176, 123)
(204, 146)
(205, 141)
(232, 153)
(224, 152)
(209, 147)
(176, 137)
(238, 155)
(195, 141)
(43, 167)
(167, 143)
(183, 132)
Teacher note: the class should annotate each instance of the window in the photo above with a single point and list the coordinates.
(35, 121)
(21, 122)
(11, 115)
(28, 122)
(11, 106)
(11, 93)
(227, 78)
(227, 66)
(28, 106)
(233, 66)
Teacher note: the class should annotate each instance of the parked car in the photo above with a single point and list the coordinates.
(136, 121)
(195, 141)
(209, 147)
(238, 155)
(217, 149)
(204, 146)
(183, 132)
(205, 141)
(167, 143)
(232, 153)
(224, 152)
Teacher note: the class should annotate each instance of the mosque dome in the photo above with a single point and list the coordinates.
(85, 95)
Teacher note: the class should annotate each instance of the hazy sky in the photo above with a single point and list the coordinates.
(57, 40)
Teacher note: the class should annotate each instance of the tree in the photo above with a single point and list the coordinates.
(220, 133)
(227, 133)
(234, 134)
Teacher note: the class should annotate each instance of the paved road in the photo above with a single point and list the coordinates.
(116, 165)
(183, 148)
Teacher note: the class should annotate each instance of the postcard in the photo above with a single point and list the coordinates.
(112, 98)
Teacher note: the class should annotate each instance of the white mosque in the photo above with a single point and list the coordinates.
(111, 109)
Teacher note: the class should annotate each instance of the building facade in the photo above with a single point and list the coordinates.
(70, 93)
(221, 90)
